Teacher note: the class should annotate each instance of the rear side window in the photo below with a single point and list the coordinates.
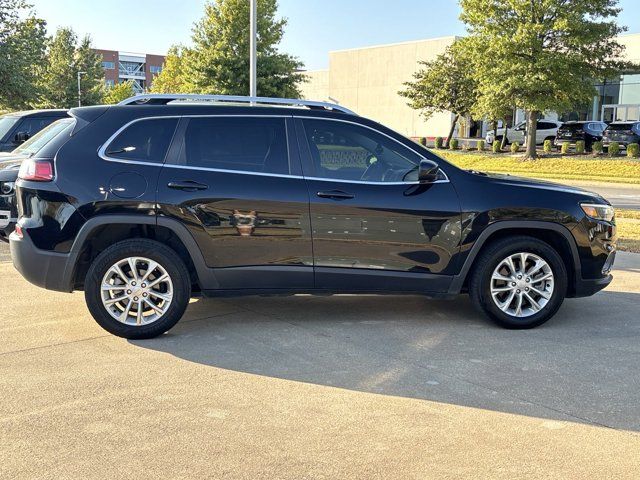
(145, 140)
(546, 126)
(244, 144)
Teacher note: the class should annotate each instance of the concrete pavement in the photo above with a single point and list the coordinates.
(321, 387)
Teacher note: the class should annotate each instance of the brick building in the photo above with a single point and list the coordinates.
(122, 66)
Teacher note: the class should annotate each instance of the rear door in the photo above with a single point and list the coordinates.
(235, 182)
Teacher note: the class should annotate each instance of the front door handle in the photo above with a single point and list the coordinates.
(336, 195)
(187, 186)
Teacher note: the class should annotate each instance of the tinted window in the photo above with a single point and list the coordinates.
(620, 126)
(145, 140)
(546, 126)
(346, 151)
(33, 125)
(44, 136)
(236, 143)
(6, 124)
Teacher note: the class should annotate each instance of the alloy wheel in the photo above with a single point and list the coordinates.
(522, 284)
(136, 291)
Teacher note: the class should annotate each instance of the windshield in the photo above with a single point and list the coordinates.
(6, 124)
(44, 136)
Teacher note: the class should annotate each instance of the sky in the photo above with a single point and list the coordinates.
(315, 27)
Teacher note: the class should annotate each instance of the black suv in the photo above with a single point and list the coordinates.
(17, 127)
(163, 197)
(622, 132)
(571, 132)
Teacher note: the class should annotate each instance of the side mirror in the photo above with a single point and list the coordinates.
(428, 171)
(20, 138)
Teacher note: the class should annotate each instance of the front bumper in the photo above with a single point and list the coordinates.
(44, 269)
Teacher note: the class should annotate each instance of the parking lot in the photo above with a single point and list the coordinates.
(321, 387)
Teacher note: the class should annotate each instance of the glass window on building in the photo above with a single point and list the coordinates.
(109, 65)
(155, 69)
(109, 83)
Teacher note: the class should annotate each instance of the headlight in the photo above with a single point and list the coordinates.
(598, 211)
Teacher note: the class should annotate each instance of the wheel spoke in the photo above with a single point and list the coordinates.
(505, 305)
(118, 271)
(511, 265)
(519, 305)
(113, 288)
(151, 267)
(523, 262)
(125, 313)
(133, 266)
(546, 276)
(139, 316)
(535, 305)
(162, 278)
(536, 267)
(499, 276)
(162, 296)
(154, 306)
(111, 301)
(543, 294)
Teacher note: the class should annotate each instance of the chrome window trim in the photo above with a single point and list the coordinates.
(102, 150)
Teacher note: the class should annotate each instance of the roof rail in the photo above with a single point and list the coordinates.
(164, 99)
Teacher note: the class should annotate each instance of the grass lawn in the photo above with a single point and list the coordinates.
(574, 167)
(628, 224)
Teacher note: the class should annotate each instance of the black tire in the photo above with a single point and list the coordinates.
(152, 250)
(488, 260)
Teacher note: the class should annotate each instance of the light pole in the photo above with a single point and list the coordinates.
(253, 20)
(79, 90)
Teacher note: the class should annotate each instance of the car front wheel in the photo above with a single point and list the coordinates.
(519, 282)
(137, 289)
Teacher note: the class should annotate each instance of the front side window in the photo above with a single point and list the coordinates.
(145, 140)
(247, 144)
(345, 151)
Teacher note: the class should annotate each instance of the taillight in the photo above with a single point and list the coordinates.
(18, 231)
(36, 170)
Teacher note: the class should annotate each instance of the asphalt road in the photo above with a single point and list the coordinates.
(620, 195)
(321, 387)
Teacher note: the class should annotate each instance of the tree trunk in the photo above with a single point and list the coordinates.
(532, 125)
(504, 137)
(453, 127)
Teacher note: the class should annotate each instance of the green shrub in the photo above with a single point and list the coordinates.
(614, 149)
(596, 148)
(580, 147)
(496, 146)
(453, 144)
(480, 145)
(423, 141)
(515, 146)
(564, 149)
(548, 146)
(633, 150)
(439, 142)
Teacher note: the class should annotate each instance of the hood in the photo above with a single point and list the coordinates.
(541, 184)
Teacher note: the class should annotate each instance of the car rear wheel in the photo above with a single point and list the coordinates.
(519, 282)
(137, 289)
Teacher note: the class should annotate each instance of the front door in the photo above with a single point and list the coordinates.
(374, 226)
(231, 180)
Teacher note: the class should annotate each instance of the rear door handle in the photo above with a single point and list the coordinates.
(336, 195)
(187, 186)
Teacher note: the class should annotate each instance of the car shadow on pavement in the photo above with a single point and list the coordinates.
(582, 366)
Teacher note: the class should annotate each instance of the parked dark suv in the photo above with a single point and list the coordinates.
(571, 132)
(17, 127)
(163, 197)
(622, 132)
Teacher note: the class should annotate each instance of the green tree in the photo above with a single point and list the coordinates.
(172, 78)
(22, 45)
(59, 77)
(218, 62)
(542, 54)
(443, 85)
(117, 93)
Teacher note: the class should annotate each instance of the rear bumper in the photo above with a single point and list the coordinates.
(42, 268)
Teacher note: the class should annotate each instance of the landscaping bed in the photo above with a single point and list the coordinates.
(551, 166)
